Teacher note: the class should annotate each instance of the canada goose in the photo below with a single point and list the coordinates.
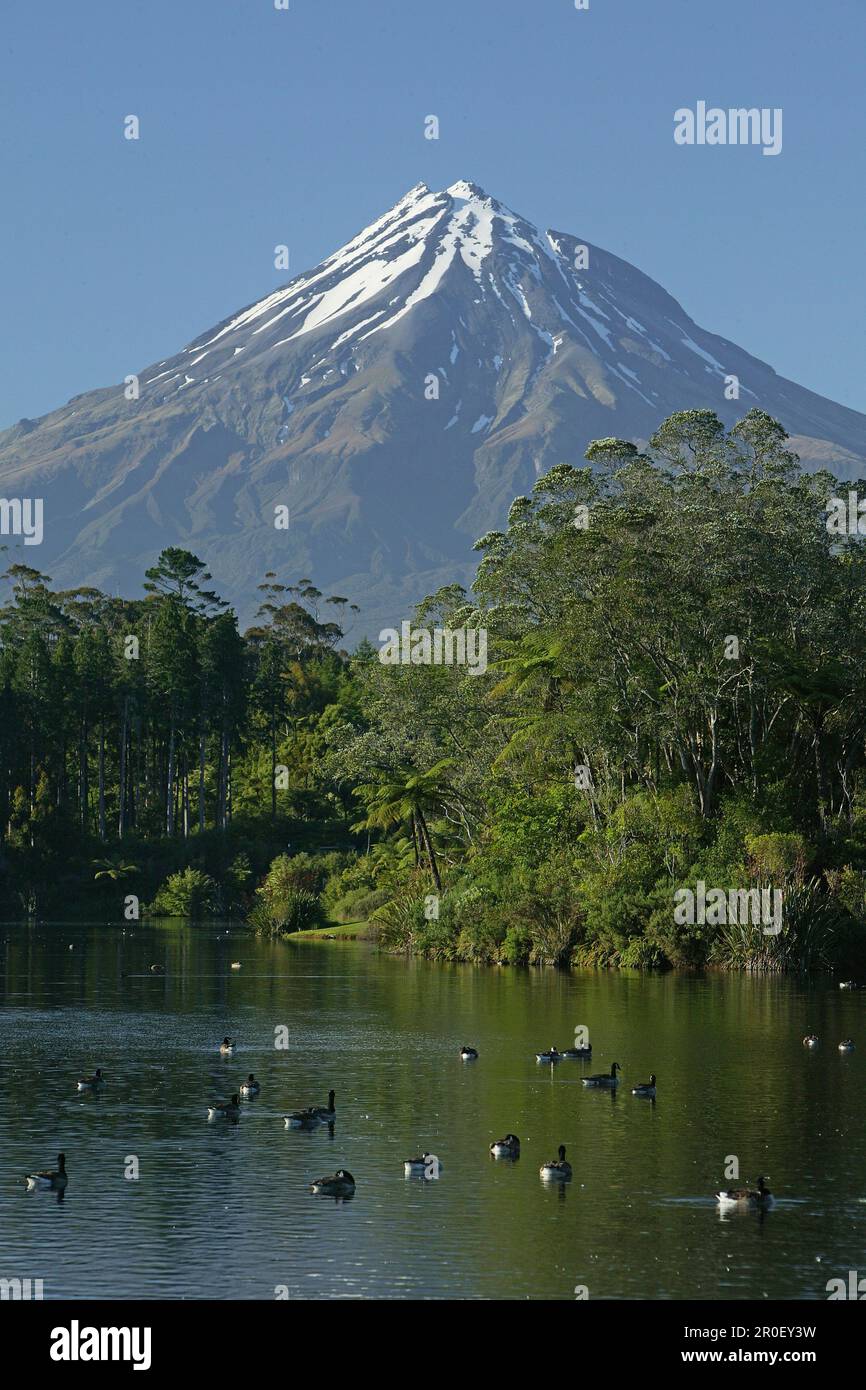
(847, 1045)
(90, 1083)
(558, 1171)
(227, 1046)
(810, 1040)
(746, 1197)
(224, 1109)
(578, 1054)
(49, 1178)
(553, 1055)
(236, 965)
(302, 1119)
(603, 1079)
(646, 1088)
(313, 1115)
(425, 1165)
(327, 1113)
(339, 1184)
(509, 1147)
(250, 1087)
(469, 1054)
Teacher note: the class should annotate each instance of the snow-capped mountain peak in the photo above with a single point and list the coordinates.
(396, 397)
(423, 229)
(413, 257)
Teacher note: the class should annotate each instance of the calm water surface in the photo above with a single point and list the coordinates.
(222, 1210)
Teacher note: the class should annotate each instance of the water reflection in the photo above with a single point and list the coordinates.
(637, 1220)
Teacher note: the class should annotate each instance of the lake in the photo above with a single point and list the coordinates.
(222, 1210)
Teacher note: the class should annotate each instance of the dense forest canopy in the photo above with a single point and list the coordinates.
(675, 690)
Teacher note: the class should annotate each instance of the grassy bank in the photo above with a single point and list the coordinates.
(339, 931)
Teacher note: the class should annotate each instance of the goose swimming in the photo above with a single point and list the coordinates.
(646, 1088)
(339, 1184)
(746, 1197)
(327, 1113)
(610, 1080)
(509, 1147)
(557, 1171)
(423, 1166)
(56, 1179)
(90, 1083)
(224, 1109)
(312, 1115)
(302, 1119)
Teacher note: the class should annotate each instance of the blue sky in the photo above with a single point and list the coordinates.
(261, 127)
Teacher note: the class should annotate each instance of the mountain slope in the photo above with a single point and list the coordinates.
(319, 397)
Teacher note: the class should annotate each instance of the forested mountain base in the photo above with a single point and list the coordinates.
(674, 694)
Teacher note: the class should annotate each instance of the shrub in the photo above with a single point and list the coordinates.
(517, 945)
(848, 885)
(401, 920)
(297, 910)
(481, 939)
(289, 872)
(358, 905)
(641, 953)
(813, 924)
(776, 857)
(188, 893)
(666, 941)
(554, 933)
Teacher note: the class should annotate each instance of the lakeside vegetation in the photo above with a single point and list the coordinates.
(675, 692)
